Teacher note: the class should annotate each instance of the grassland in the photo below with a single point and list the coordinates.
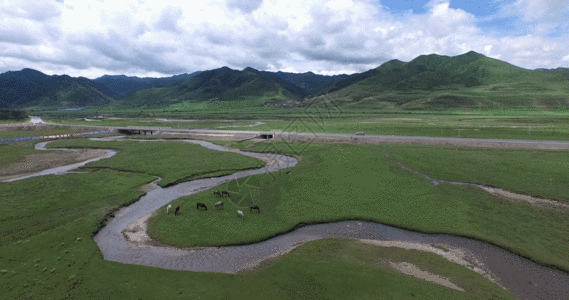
(172, 161)
(15, 152)
(532, 172)
(153, 122)
(340, 182)
(34, 130)
(46, 228)
(14, 121)
(523, 124)
(58, 259)
(47, 253)
(21, 158)
(543, 127)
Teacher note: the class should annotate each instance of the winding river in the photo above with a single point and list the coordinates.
(522, 277)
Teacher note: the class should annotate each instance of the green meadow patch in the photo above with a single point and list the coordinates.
(46, 227)
(172, 161)
(153, 122)
(15, 152)
(343, 182)
(540, 127)
(348, 269)
(32, 130)
(46, 252)
(540, 173)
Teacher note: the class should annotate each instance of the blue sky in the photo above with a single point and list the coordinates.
(478, 8)
(165, 37)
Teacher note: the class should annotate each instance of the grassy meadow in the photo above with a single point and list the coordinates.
(530, 124)
(34, 130)
(172, 161)
(15, 152)
(46, 252)
(529, 127)
(345, 182)
(152, 122)
(11, 121)
(538, 173)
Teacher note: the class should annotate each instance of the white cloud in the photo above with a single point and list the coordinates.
(150, 37)
(246, 6)
(539, 10)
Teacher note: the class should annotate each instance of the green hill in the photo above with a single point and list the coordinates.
(220, 85)
(30, 88)
(467, 80)
(68, 92)
(122, 86)
(431, 82)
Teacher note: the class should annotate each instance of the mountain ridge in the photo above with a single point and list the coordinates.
(471, 77)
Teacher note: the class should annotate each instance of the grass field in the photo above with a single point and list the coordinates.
(530, 124)
(15, 152)
(47, 253)
(152, 122)
(523, 128)
(342, 182)
(538, 173)
(11, 121)
(32, 130)
(172, 161)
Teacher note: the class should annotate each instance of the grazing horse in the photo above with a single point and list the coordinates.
(168, 209)
(201, 205)
(177, 211)
(218, 205)
(240, 214)
(225, 193)
(254, 206)
(217, 193)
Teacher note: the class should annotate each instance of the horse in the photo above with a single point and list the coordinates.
(218, 205)
(177, 211)
(168, 209)
(254, 206)
(225, 193)
(201, 205)
(217, 193)
(240, 214)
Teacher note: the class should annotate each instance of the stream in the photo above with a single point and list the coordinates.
(522, 277)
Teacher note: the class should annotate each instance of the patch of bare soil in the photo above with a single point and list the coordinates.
(545, 203)
(37, 162)
(148, 187)
(455, 255)
(136, 232)
(411, 269)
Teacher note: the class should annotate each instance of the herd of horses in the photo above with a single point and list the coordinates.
(218, 205)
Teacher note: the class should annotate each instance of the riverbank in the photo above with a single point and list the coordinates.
(219, 259)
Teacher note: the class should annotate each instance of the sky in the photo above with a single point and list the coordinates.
(148, 38)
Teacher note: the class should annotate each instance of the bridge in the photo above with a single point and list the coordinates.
(139, 131)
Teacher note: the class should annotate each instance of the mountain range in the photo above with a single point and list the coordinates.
(428, 81)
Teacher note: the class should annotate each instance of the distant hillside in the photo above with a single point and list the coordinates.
(467, 80)
(554, 70)
(427, 82)
(223, 84)
(29, 87)
(310, 82)
(122, 86)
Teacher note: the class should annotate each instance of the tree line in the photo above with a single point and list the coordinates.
(11, 114)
